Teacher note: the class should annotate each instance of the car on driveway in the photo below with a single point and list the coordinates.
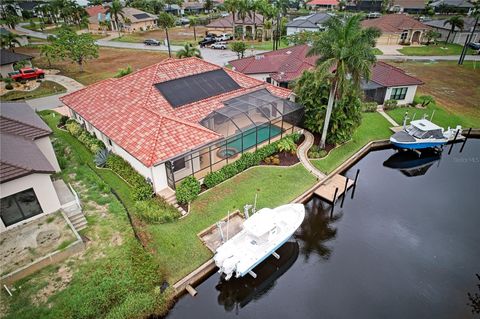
(207, 41)
(151, 42)
(27, 74)
(474, 45)
(219, 45)
(224, 37)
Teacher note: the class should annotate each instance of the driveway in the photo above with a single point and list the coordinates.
(53, 101)
(390, 49)
(221, 57)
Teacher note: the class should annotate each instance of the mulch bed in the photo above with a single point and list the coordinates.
(316, 141)
(286, 159)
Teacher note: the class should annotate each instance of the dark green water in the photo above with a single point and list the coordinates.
(407, 246)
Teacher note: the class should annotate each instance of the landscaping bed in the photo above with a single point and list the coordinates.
(46, 88)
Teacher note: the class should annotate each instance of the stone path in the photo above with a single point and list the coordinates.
(385, 115)
(302, 153)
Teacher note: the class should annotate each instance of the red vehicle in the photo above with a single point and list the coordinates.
(27, 74)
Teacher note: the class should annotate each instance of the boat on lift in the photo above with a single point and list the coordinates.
(421, 134)
(262, 234)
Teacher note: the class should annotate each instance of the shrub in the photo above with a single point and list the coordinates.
(142, 192)
(101, 157)
(9, 86)
(128, 173)
(369, 106)
(188, 190)
(390, 104)
(316, 152)
(63, 120)
(74, 128)
(156, 211)
(123, 72)
(426, 100)
(287, 145)
(295, 136)
(213, 178)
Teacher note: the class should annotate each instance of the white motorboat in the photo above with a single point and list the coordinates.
(262, 233)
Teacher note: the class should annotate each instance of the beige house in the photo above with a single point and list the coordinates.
(248, 26)
(133, 20)
(27, 161)
(398, 29)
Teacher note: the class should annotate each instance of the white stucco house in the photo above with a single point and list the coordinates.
(312, 23)
(27, 161)
(183, 117)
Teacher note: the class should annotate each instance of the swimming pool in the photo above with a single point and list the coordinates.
(250, 138)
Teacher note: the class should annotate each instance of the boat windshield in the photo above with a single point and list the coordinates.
(416, 132)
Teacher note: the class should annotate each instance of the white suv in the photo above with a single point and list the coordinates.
(219, 45)
(224, 37)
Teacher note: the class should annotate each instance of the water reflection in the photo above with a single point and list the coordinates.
(316, 229)
(237, 293)
(413, 163)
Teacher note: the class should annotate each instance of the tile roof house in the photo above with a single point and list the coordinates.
(458, 36)
(168, 119)
(408, 6)
(247, 26)
(133, 20)
(312, 22)
(27, 160)
(283, 66)
(322, 4)
(8, 59)
(398, 29)
(458, 5)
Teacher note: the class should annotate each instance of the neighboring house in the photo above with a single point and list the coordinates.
(312, 22)
(408, 6)
(277, 67)
(174, 9)
(27, 161)
(8, 59)
(183, 117)
(390, 83)
(286, 65)
(398, 29)
(225, 25)
(193, 7)
(133, 20)
(452, 6)
(322, 4)
(365, 6)
(459, 36)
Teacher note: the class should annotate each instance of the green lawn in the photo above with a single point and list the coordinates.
(377, 51)
(179, 250)
(434, 49)
(46, 88)
(374, 127)
(441, 117)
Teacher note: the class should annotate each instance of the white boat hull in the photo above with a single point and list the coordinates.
(262, 234)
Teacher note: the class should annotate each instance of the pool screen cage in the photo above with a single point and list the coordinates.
(245, 122)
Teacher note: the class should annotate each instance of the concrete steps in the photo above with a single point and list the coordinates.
(170, 197)
(76, 217)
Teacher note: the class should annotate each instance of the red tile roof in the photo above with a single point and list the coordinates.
(283, 65)
(95, 10)
(135, 115)
(323, 2)
(395, 23)
(388, 75)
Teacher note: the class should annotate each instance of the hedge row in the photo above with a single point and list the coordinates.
(90, 141)
(245, 161)
(141, 189)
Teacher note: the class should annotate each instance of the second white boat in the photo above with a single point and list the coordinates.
(262, 233)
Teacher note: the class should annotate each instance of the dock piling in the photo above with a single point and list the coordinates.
(344, 192)
(465, 139)
(355, 183)
(453, 142)
(191, 290)
(333, 202)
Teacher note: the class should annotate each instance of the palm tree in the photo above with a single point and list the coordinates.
(10, 40)
(193, 21)
(189, 51)
(116, 11)
(455, 22)
(231, 6)
(243, 10)
(166, 21)
(346, 49)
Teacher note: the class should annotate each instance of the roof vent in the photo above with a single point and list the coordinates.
(289, 52)
(259, 57)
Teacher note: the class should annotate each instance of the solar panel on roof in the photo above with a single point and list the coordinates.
(140, 16)
(196, 87)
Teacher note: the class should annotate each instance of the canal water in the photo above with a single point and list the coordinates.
(406, 246)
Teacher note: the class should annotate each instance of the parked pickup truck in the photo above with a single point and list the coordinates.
(206, 41)
(27, 74)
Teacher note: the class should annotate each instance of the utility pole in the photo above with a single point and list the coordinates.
(468, 39)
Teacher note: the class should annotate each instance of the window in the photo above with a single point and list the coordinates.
(110, 142)
(269, 80)
(404, 35)
(20, 206)
(179, 164)
(398, 93)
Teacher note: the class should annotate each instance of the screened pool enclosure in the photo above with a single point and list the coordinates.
(246, 123)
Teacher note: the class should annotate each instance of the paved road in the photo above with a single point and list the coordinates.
(53, 101)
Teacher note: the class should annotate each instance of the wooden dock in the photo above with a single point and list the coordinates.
(326, 191)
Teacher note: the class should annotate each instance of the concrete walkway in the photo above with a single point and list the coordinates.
(386, 116)
(302, 153)
(390, 49)
(53, 101)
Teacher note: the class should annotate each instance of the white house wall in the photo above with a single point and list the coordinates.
(293, 30)
(260, 76)
(412, 89)
(45, 146)
(44, 190)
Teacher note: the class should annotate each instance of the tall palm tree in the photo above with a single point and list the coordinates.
(346, 49)
(243, 11)
(116, 11)
(10, 40)
(455, 22)
(231, 6)
(166, 21)
(193, 22)
(189, 51)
